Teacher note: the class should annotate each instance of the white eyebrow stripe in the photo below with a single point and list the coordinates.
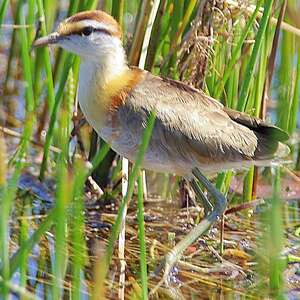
(96, 25)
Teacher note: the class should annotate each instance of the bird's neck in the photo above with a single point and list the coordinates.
(109, 61)
(104, 84)
(97, 71)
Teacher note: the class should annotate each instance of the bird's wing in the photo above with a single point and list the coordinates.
(188, 122)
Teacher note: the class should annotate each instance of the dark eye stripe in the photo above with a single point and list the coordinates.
(102, 30)
(82, 31)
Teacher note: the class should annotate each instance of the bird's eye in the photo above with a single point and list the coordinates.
(87, 30)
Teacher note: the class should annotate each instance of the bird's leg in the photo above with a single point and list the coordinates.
(218, 209)
(208, 207)
(220, 200)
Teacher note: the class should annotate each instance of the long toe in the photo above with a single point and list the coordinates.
(167, 265)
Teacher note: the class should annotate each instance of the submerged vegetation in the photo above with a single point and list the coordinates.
(64, 194)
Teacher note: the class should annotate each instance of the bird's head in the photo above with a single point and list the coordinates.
(89, 34)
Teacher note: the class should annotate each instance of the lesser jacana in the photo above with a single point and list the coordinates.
(193, 133)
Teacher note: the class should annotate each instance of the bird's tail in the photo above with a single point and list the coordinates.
(269, 137)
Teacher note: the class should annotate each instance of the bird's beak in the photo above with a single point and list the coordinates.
(52, 38)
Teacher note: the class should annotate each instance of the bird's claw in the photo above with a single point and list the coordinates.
(167, 264)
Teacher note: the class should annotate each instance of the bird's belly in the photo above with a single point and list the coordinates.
(155, 159)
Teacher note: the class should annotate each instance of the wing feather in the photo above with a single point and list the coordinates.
(189, 124)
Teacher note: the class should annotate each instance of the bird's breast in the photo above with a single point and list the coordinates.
(92, 99)
(106, 122)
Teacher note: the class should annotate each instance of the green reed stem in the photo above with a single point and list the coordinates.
(58, 98)
(180, 21)
(26, 62)
(50, 8)
(3, 9)
(155, 38)
(276, 239)
(62, 55)
(46, 57)
(13, 50)
(10, 190)
(186, 19)
(118, 11)
(99, 157)
(6, 204)
(136, 167)
(30, 21)
(77, 229)
(139, 33)
(295, 100)
(24, 234)
(3, 165)
(46, 224)
(142, 238)
(91, 4)
(27, 246)
(236, 51)
(261, 77)
(63, 198)
(248, 185)
(254, 56)
(17, 290)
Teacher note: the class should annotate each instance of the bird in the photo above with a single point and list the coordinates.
(193, 135)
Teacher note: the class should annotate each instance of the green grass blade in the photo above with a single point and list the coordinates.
(276, 238)
(118, 11)
(27, 246)
(236, 51)
(142, 239)
(10, 190)
(30, 21)
(99, 157)
(63, 197)
(46, 57)
(136, 167)
(254, 56)
(295, 101)
(91, 4)
(6, 205)
(26, 62)
(58, 98)
(77, 229)
(24, 224)
(3, 9)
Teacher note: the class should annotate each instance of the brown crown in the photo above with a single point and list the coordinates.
(70, 25)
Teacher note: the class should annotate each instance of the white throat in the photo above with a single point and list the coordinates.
(108, 61)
